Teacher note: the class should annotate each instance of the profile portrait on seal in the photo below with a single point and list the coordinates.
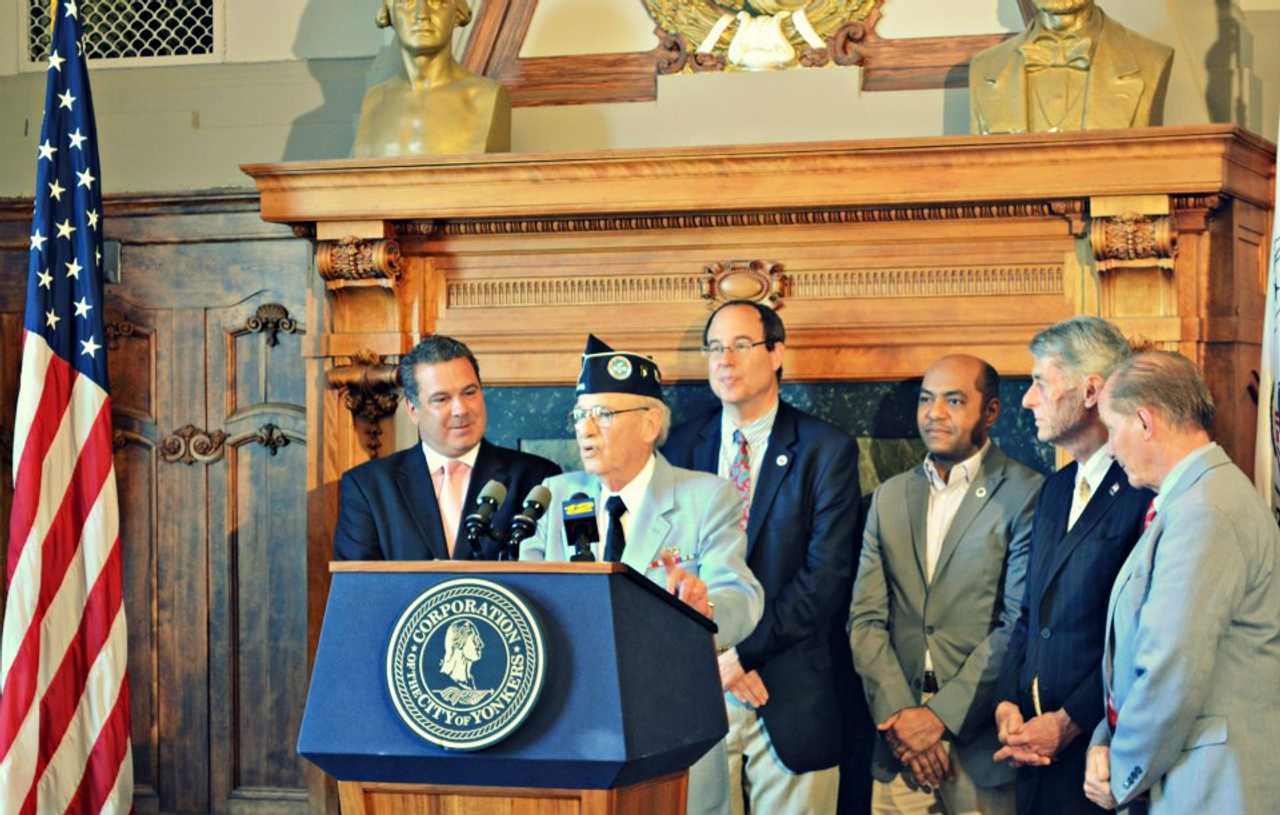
(462, 649)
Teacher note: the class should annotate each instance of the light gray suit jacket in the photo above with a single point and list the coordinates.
(696, 514)
(965, 613)
(1192, 660)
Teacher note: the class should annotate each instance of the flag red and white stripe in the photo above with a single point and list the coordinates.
(64, 692)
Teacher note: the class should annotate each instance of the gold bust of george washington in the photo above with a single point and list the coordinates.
(436, 107)
(1074, 68)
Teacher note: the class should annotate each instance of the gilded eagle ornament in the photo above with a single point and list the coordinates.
(759, 35)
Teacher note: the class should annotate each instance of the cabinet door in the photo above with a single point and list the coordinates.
(257, 551)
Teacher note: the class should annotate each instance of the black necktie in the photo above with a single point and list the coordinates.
(615, 541)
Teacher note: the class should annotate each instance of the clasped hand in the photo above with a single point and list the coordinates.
(1032, 743)
(915, 736)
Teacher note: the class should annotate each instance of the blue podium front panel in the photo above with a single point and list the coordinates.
(588, 729)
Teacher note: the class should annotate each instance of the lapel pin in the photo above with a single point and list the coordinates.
(781, 460)
(981, 492)
(1115, 488)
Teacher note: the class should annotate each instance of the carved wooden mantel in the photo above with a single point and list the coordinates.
(882, 254)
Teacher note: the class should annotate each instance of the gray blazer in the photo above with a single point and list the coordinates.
(1192, 659)
(965, 614)
(697, 514)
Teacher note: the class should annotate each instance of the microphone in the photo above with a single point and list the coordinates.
(477, 523)
(580, 527)
(524, 524)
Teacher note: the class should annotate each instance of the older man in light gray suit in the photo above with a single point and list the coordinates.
(938, 590)
(680, 528)
(1192, 662)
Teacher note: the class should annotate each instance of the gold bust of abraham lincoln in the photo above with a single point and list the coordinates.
(436, 107)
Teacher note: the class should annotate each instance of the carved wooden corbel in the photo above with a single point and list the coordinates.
(761, 281)
(1194, 213)
(356, 261)
(1130, 240)
(370, 390)
(1072, 210)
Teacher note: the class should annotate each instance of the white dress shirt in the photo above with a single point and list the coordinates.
(944, 502)
(1092, 472)
(632, 495)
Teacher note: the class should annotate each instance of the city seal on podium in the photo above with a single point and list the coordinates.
(465, 663)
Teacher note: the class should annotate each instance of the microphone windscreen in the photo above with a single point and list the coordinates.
(493, 491)
(536, 503)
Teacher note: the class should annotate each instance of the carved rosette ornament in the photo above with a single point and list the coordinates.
(190, 444)
(760, 281)
(756, 35)
(1132, 241)
(370, 391)
(352, 260)
(271, 318)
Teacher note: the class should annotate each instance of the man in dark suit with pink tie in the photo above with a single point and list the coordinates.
(410, 505)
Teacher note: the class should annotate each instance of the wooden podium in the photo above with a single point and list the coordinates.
(661, 795)
(613, 729)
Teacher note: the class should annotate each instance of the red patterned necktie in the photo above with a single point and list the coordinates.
(740, 474)
(1151, 515)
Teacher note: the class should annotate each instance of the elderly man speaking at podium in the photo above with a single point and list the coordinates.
(678, 527)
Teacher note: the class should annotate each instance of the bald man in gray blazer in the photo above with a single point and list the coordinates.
(938, 590)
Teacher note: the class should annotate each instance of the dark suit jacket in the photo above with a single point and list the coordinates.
(388, 507)
(802, 545)
(1060, 632)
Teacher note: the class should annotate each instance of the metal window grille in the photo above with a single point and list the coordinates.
(144, 30)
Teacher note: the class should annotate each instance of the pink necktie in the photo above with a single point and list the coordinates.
(451, 488)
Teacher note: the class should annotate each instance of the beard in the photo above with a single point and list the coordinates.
(1062, 6)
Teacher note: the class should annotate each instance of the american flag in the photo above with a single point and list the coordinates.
(64, 693)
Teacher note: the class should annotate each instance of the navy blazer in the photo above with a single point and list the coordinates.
(388, 508)
(802, 545)
(1061, 631)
